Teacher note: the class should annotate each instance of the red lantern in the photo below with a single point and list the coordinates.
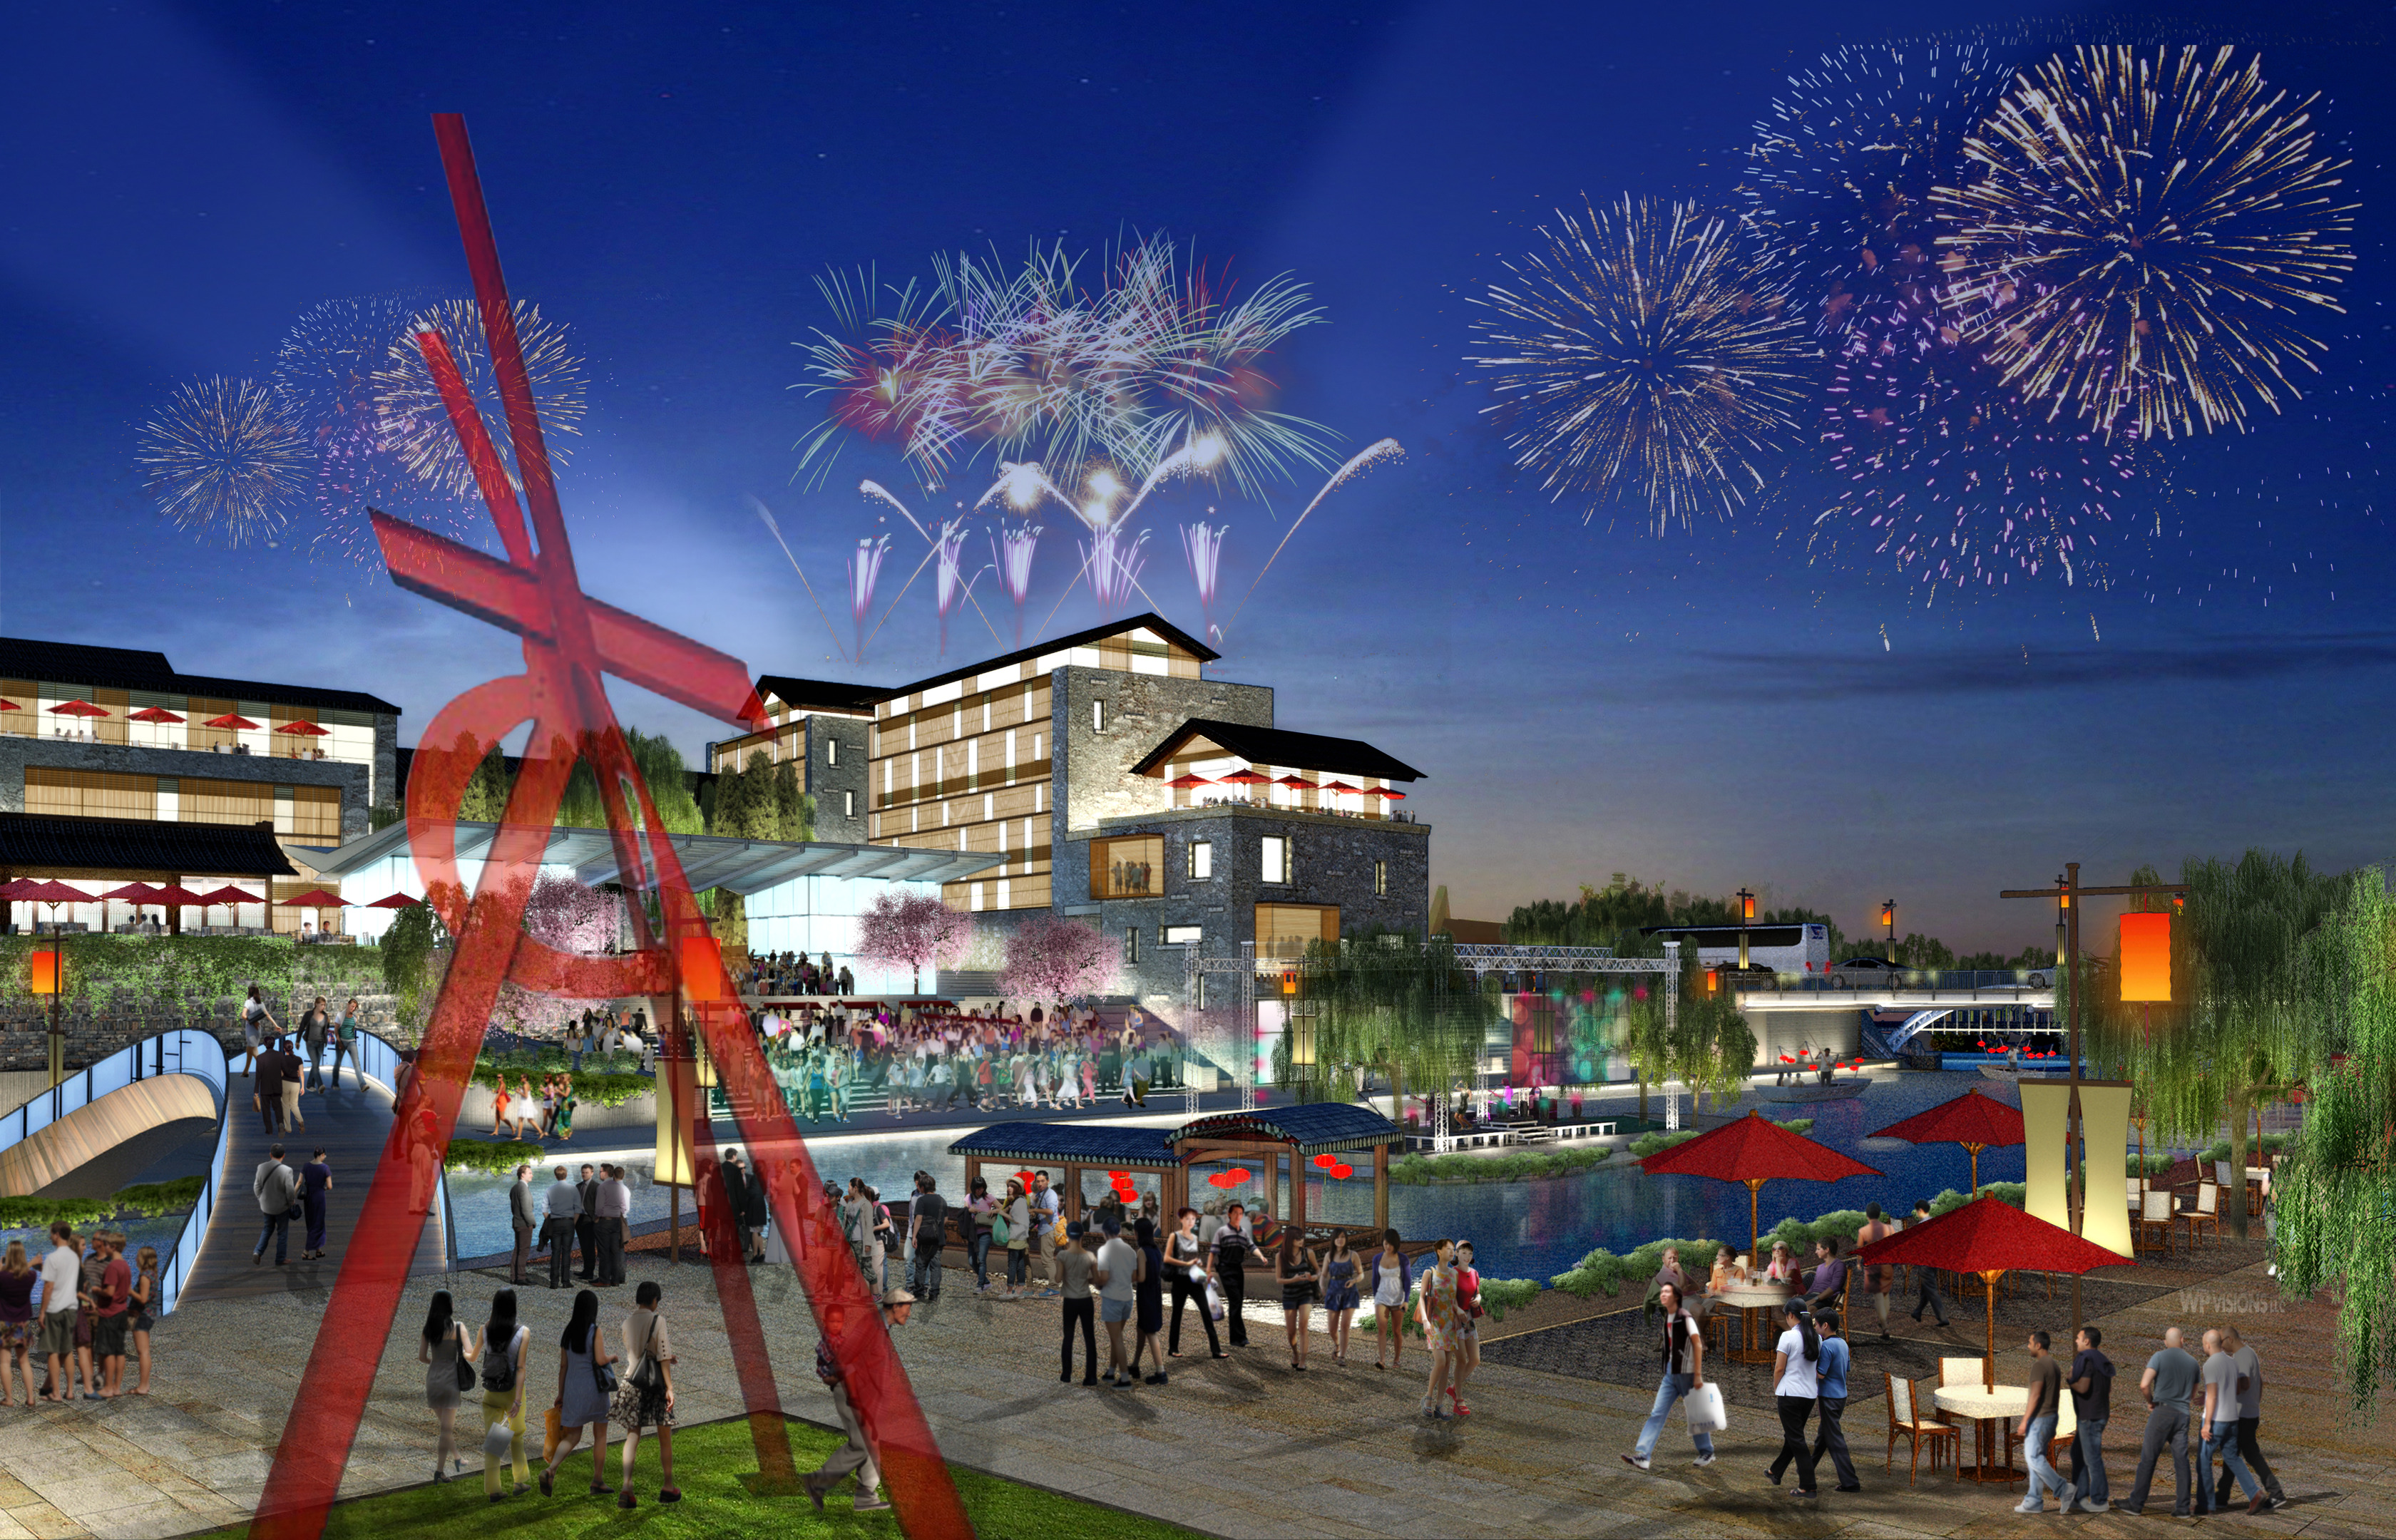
(1327, 1161)
(1343, 1171)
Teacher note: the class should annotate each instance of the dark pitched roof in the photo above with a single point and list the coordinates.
(42, 840)
(821, 694)
(133, 668)
(1083, 1144)
(1150, 621)
(1274, 746)
(1317, 1128)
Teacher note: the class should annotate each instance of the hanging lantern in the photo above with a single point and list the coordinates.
(2146, 959)
(1343, 1171)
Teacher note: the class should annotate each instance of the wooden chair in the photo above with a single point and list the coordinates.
(2067, 1423)
(2207, 1211)
(2155, 1219)
(1905, 1420)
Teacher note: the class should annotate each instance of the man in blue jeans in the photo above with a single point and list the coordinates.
(2092, 1406)
(1683, 1359)
(2037, 1429)
(276, 1185)
(1830, 1401)
(2222, 1384)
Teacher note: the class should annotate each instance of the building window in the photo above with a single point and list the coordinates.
(1182, 935)
(1275, 866)
(1286, 930)
(832, 750)
(1128, 867)
(1381, 879)
(1201, 860)
(1198, 992)
(1098, 716)
(1131, 945)
(848, 805)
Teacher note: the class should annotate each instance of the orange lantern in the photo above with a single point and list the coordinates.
(46, 973)
(2146, 958)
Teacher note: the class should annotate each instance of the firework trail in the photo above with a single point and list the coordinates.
(1032, 364)
(1203, 546)
(1646, 352)
(1371, 454)
(767, 514)
(2168, 227)
(418, 423)
(864, 568)
(1010, 551)
(1951, 474)
(1113, 566)
(947, 551)
(225, 460)
(1841, 169)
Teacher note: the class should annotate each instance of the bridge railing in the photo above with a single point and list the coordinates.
(1849, 980)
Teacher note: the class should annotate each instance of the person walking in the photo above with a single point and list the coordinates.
(586, 1223)
(2220, 1384)
(1877, 1278)
(441, 1346)
(503, 1355)
(17, 1331)
(645, 1397)
(2168, 1383)
(2091, 1383)
(1683, 1359)
(523, 1217)
(345, 1045)
(585, 1383)
(2036, 1430)
(1190, 1267)
(1830, 1397)
(292, 1077)
(266, 1091)
(856, 1454)
(1926, 1295)
(1046, 1205)
(736, 1183)
(315, 1181)
(1117, 1275)
(2250, 1418)
(145, 1301)
(1149, 1294)
(277, 1188)
(1795, 1384)
(256, 1022)
(1018, 1237)
(1297, 1276)
(1466, 1356)
(1392, 1282)
(928, 1218)
(564, 1207)
(1232, 1248)
(982, 1212)
(61, 1299)
(1436, 1310)
(316, 1034)
(1340, 1296)
(1076, 1263)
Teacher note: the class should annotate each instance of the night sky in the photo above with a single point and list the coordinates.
(1705, 707)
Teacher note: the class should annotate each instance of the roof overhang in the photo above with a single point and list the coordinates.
(708, 860)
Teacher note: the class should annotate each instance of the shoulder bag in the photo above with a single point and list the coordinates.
(647, 1377)
(602, 1374)
(465, 1366)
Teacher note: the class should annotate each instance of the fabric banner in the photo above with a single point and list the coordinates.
(2047, 1112)
(2105, 1115)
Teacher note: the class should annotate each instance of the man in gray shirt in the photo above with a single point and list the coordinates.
(2168, 1383)
(524, 1216)
(274, 1185)
(2250, 1416)
(615, 1214)
(2222, 1384)
(565, 1209)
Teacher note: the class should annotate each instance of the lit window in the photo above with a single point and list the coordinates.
(1131, 945)
(832, 750)
(1275, 867)
(1182, 935)
(1201, 860)
(1381, 878)
(848, 805)
(1098, 716)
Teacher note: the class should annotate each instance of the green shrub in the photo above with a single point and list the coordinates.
(592, 1087)
(1524, 1166)
(150, 1200)
(153, 1199)
(498, 1157)
(1650, 1144)
(1600, 1271)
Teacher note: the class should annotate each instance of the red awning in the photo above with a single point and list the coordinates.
(78, 708)
(304, 729)
(229, 720)
(10, 706)
(153, 713)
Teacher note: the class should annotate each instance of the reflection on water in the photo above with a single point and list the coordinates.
(1519, 1229)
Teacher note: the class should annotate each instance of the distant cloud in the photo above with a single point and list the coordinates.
(2209, 660)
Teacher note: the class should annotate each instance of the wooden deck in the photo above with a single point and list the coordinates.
(351, 1125)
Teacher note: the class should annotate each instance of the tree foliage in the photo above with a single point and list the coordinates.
(1050, 958)
(913, 931)
(761, 800)
(1398, 1007)
(1613, 916)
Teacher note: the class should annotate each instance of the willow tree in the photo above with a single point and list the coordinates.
(2243, 1025)
(1405, 1012)
(2336, 1194)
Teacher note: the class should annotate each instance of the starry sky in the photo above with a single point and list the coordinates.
(1706, 707)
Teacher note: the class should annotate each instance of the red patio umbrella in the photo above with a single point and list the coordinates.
(229, 720)
(304, 729)
(1972, 1120)
(10, 706)
(1296, 783)
(1187, 783)
(1245, 778)
(395, 901)
(315, 898)
(1388, 792)
(153, 713)
(1754, 1151)
(1990, 1236)
(180, 896)
(78, 708)
(133, 892)
(1344, 788)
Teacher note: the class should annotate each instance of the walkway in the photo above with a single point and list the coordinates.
(351, 1125)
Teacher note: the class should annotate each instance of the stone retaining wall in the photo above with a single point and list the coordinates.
(95, 1030)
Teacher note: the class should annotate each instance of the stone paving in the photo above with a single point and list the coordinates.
(1244, 1447)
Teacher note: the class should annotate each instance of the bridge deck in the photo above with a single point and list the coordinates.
(1895, 998)
(353, 1127)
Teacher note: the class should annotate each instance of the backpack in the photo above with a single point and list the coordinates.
(499, 1365)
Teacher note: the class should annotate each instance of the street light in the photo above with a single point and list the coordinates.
(1888, 927)
(1746, 913)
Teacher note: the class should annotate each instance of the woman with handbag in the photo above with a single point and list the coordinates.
(981, 1213)
(1295, 1274)
(502, 1352)
(645, 1398)
(1795, 1385)
(1018, 1239)
(1683, 1357)
(586, 1383)
(449, 1372)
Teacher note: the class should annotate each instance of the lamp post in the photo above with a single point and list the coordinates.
(1888, 928)
(1746, 916)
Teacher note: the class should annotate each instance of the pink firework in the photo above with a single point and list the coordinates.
(1203, 545)
(864, 568)
(1113, 566)
(947, 550)
(1011, 550)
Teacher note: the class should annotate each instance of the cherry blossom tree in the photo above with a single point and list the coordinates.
(571, 918)
(913, 931)
(1052, 959)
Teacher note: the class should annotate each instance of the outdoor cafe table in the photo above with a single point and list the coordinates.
(1760, 1306)
(1988, 1409)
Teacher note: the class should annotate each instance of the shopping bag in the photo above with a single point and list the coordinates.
(1704, 1405)
(552, 1434)
(1215, 1311)
(498, 1438)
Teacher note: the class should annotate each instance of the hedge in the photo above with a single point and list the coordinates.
(205, 968)
(1500, 1295)
(1424, 1169)
(497, 1157)
(148, 1200)
(593, 1087)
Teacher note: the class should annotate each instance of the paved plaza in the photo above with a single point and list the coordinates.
(1244, 1447)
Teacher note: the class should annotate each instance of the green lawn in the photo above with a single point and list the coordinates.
(709, 1462)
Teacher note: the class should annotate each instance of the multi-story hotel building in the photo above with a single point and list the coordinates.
(118, 735)
(1117, 783)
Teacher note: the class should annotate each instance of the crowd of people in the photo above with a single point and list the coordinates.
(80, 1313)
(783, 973)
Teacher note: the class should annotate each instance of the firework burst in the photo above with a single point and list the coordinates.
(417, 424)
(1842, 168)
(225, 460)
(325, 373)
(1010, 549)
(1648, 353)
(1113, 565)
(2175, 224)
